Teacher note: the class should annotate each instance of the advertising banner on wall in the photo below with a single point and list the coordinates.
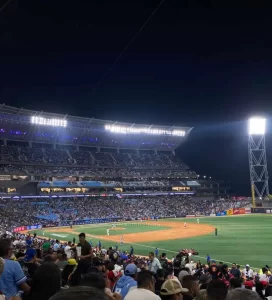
(33, 227)
(230, 212)
(247, 210)
(18, 229)
(223, 213)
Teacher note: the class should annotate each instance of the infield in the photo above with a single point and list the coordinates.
(243, 239)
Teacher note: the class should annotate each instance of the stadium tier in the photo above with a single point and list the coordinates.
(51, 154)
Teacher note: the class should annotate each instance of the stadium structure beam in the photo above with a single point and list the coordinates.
(257, 159)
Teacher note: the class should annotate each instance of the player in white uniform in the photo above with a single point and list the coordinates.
(185, 224)
(108, 231)
(113, 226)
(197, 221)
(121, 239)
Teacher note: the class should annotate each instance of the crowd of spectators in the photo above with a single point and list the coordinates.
(33, 161)
(94, 172)
(34, 268)
(40, 211)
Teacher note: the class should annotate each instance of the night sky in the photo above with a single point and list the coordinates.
(207, 66)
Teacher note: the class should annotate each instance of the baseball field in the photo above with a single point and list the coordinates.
(244, 239)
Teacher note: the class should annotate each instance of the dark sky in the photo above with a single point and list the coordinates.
(198, 64)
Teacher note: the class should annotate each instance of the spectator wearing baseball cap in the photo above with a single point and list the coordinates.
(145, 289)
(30, 261)
(172, 290)
(247, 272)
(127, 282)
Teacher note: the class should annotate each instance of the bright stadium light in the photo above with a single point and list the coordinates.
(48, 122)
(145, 130)
(257, 158)
(256, 126)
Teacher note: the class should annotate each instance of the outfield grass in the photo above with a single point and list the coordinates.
(241, 239)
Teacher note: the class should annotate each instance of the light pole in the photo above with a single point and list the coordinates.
(257, 158)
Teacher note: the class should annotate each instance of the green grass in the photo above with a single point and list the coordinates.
(241, 239)
(101, 229)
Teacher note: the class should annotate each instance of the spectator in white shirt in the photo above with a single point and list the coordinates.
(145, 289)
(68, 251)
(248, 273)
(264, 277)
(154, 263)
(56, 245)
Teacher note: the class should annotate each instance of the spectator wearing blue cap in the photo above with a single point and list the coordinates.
(127, 282)
(30, 261)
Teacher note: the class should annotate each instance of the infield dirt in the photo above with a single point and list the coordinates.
(176, 230)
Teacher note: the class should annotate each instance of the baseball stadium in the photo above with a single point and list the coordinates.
(122, 185)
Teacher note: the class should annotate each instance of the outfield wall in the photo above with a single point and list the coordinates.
(261, 210)
(234, 211)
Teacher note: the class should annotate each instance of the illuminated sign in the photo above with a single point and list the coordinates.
(181, 188)
(146, 130)
(49, 122)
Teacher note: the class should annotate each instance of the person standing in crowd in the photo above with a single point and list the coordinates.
(208, 259)
(131, 250)
(30, 261)
(172, 290)
(68, 250)
(190, 283)
(159, 281)
(46, 246)
(242, 294)
(145, 289)
(235, 283)
(217, 290)
(164, 261)
(83, 293)
(264, 278)
(234, 271)
(99, 245)
(45, 283)
(127, 281)
(56, 246)
(247, 272)
(86, 249)
(214, 270)
(13, 278)
(63, 261)
(154, 263)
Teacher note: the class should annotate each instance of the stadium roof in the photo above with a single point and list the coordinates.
(41, 127)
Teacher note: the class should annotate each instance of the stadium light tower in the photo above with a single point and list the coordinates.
(257, 158)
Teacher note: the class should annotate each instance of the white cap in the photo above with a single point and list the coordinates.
(247, 265)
